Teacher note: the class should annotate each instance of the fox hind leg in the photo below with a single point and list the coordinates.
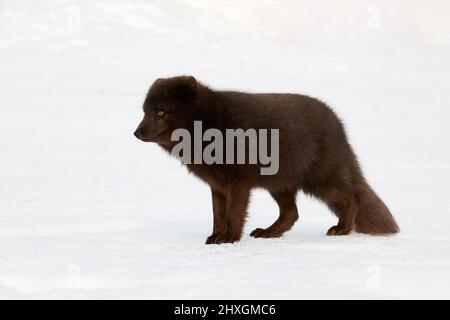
(346, 211)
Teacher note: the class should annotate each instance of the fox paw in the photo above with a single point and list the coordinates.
(264, 233)
(221, 238)
(338, 231)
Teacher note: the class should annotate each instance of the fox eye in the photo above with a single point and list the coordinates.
(160, 113)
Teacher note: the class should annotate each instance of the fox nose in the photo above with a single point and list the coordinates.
(137, 134)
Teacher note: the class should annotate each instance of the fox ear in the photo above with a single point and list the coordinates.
(191, 82)
(188, 87)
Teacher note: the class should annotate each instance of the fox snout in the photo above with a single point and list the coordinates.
(146, 134)
(138, 133)
(142, 131)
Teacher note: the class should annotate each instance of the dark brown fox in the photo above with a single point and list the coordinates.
(314, 156)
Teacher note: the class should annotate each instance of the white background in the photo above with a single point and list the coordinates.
(88, 211)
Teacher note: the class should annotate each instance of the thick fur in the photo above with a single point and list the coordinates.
(314, 156)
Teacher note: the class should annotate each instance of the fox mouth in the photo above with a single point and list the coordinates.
(155, 138)
(148, 139)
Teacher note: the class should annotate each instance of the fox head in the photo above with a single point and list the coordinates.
(170, 104)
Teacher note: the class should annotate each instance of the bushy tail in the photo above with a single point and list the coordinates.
(373, 216)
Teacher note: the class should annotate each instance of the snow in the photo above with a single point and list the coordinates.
(88, 211)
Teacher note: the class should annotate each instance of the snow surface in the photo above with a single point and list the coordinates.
(88, 211)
